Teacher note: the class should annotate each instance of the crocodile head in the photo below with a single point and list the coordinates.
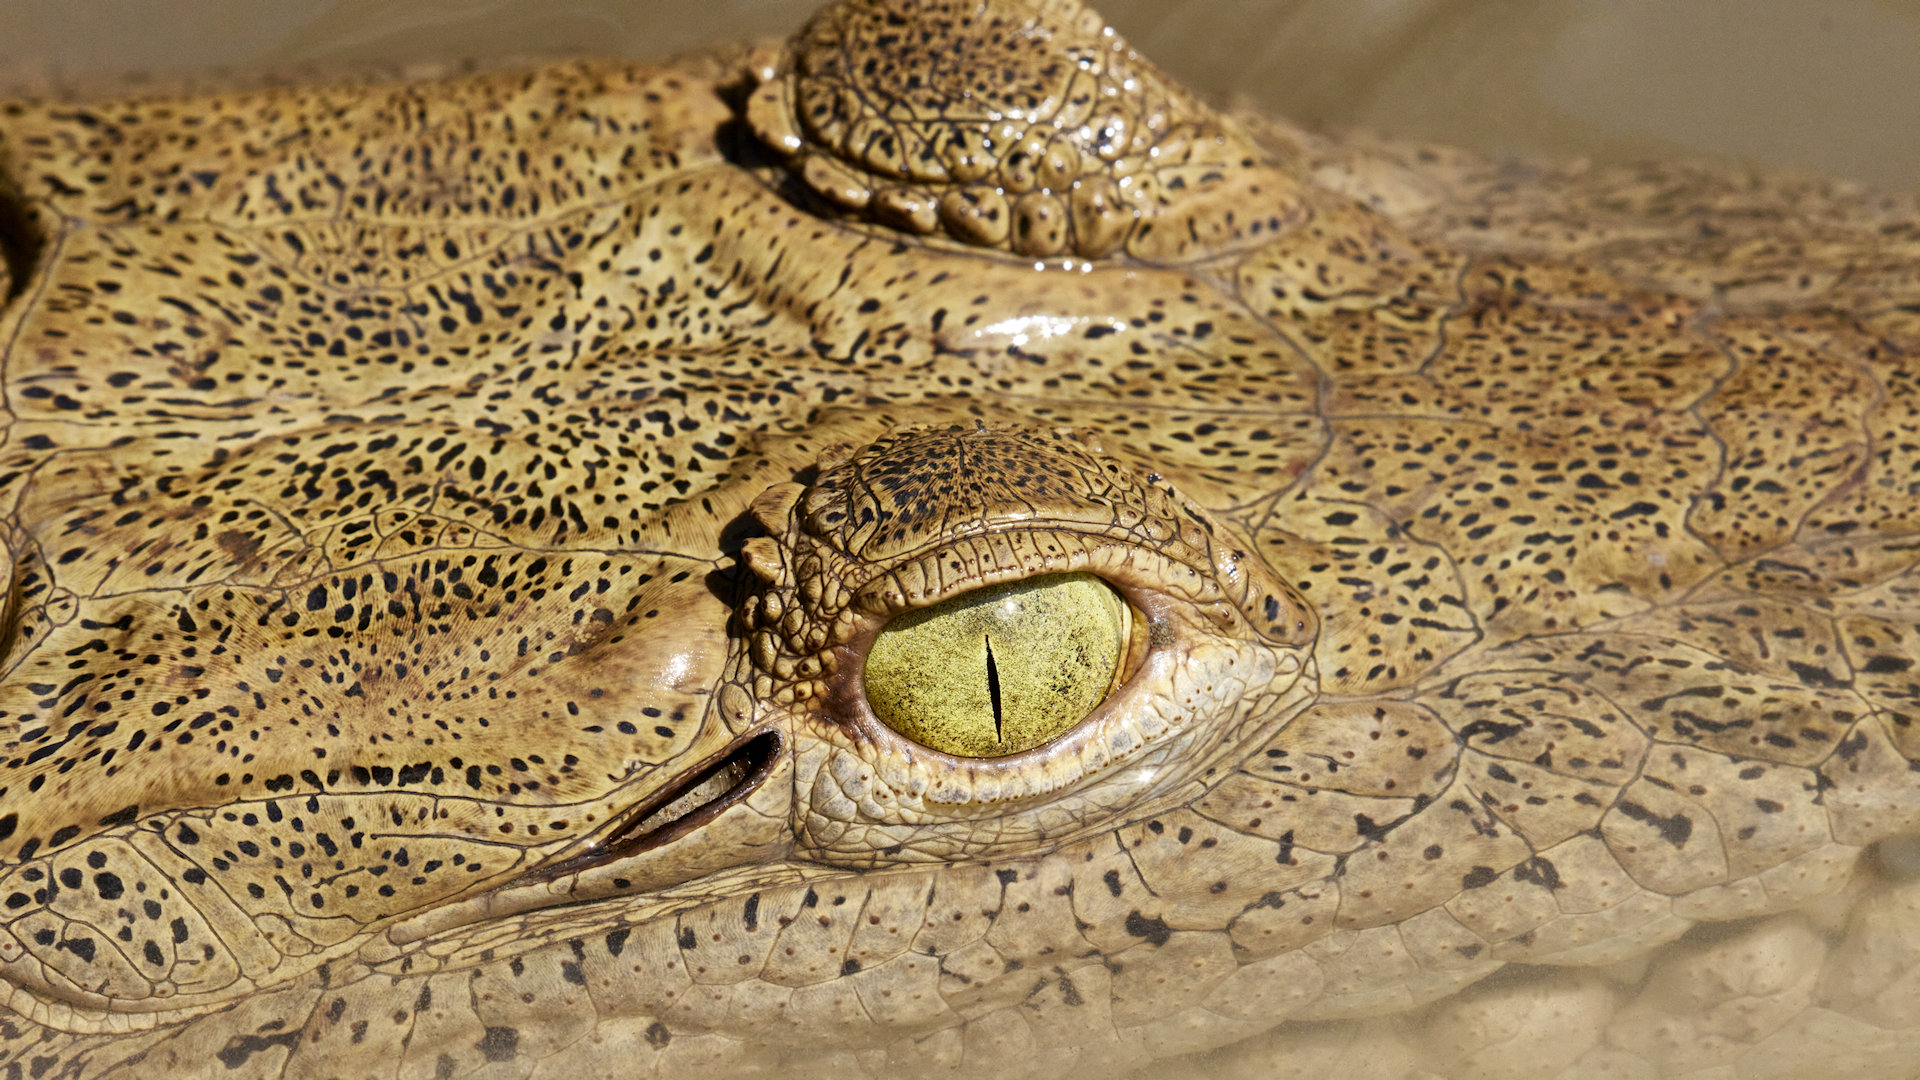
(929, 547)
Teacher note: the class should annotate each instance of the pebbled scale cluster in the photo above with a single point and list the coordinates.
(1025, 127)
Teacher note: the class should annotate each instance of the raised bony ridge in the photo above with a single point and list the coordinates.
(1026, 126)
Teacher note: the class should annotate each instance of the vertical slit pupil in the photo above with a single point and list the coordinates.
(993, 688)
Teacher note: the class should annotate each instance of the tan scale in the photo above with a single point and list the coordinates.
(472, 544)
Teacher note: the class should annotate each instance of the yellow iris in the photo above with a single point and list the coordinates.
(1002, 669)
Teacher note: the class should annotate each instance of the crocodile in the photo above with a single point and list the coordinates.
(930, 549)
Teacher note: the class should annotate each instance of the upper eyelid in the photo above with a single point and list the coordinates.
(872, 597)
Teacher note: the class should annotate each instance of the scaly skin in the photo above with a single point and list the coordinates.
(408, 489)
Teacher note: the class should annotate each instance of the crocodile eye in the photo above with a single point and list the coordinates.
(1002, 669)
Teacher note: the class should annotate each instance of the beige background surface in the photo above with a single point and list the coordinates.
(1829, 86)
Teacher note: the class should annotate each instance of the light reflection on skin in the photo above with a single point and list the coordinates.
(1024, 328)
(676, 669)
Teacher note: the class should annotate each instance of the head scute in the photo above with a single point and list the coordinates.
(1027, 126)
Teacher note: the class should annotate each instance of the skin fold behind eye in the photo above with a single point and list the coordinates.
(1000, 669)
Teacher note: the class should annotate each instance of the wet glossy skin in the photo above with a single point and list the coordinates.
(447, 524)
